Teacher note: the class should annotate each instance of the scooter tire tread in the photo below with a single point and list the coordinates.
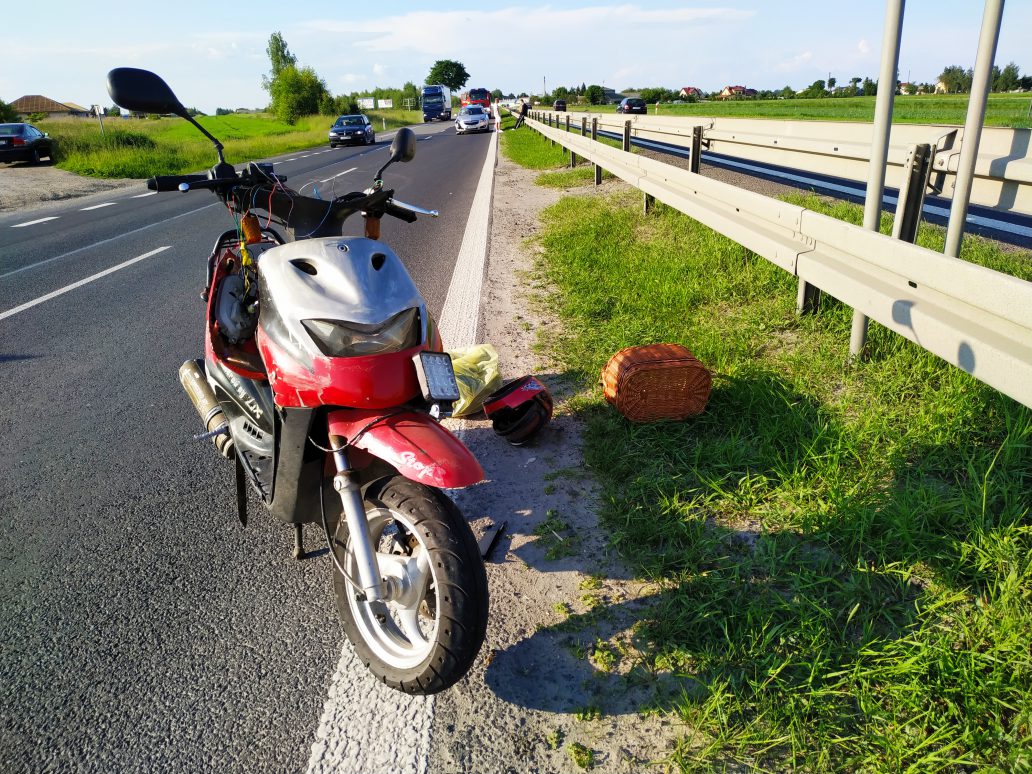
(462, 594)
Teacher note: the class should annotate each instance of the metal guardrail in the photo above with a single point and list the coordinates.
(1003, 169)
(975, 318)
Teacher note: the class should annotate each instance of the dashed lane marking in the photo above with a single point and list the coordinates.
(149, 193)
(106, 241)
(80, 283)
(34, 222)
(333, 177)
(98, 206)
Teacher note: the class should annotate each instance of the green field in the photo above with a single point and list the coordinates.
(1002, 110)
(169, 146)
(840, 551)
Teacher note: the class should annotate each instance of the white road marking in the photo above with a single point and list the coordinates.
(106, 241)
(461, 311)
(286, 160)
(306, 156)
(34, 222)
(338, 175)
(98, 206)
(80, 283)
(366, 726)
(149, 193)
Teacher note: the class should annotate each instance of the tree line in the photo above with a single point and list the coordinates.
(954, 79)
(297, 91)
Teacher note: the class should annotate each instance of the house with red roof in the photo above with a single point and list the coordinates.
(736, 92)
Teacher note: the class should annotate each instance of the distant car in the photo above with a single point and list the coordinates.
(559, 105)
(24, 142)
(472, 118)
(632, 105)
(349, 129)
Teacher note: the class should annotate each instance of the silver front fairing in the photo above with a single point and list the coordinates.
(351, 279)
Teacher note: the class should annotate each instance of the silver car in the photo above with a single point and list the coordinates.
(472, 118)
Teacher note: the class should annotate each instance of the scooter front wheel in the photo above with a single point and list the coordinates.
(425, 635)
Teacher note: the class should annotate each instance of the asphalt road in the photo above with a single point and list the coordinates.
(141, 628)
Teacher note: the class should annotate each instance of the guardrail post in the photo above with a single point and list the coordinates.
(695, 159)
(627, 136)
(584, 126)
(988, 39)
(573, 156)
(594, 138)
(808, 298)
(648, 202)
(892, 32)
(567, 122)
(917, 168)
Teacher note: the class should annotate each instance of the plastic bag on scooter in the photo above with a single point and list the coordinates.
(477, 374)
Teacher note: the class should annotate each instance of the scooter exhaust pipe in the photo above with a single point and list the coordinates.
(191, 376)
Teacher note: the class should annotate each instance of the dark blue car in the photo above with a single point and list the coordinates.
(24, 142)
(352, 129)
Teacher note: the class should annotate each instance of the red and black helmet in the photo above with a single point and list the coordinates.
(519, 409)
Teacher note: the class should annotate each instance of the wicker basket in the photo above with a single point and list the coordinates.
(657, 381)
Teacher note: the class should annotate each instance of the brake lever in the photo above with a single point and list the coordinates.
(413, 208)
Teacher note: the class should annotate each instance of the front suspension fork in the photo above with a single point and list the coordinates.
(347, 486)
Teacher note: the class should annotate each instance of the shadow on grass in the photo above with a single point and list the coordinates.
(792, 582)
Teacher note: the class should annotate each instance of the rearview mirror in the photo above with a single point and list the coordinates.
(142, 91)
(404, 146)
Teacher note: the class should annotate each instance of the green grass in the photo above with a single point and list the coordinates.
(1002, 109)
(168, 146)
(532, 150)
(842, 551)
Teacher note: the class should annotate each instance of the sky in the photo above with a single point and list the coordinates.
(214, 54)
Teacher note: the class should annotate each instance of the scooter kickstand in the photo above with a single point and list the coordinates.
(299, 548)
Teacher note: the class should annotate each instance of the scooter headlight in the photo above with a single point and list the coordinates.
(336, 338)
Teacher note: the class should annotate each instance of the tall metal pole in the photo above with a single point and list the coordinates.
(980, 85)
(891, 35)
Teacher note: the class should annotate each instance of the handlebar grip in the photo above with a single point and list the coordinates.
(171, 182)
(402, 214)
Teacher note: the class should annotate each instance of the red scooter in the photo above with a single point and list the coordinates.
(324, 379)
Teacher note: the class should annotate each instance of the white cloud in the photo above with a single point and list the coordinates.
(863, 47)
(379, 70)
(542, 24)
(794, 63)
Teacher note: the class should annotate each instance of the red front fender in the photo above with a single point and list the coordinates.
(412, 442)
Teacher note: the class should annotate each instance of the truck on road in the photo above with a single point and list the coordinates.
(436, 102)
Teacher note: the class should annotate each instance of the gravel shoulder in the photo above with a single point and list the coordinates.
(25, 187)
(540, 687)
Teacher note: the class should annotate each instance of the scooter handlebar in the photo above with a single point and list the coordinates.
(172, 182)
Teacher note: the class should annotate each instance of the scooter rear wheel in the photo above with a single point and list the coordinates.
(425, 637)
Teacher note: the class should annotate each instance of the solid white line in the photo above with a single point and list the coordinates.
(106, 241)
(333, 177)
(34, 222)
(354, 733)
(80, 283)
(149, 193)
(461, 311)
(98, 206)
